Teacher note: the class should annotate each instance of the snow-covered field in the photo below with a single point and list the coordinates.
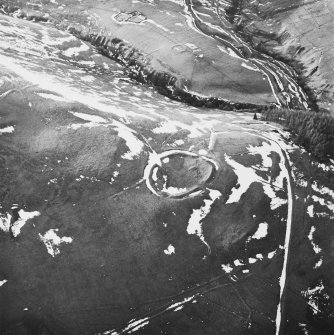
(99, 145)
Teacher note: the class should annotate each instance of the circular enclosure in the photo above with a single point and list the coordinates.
(180, 173)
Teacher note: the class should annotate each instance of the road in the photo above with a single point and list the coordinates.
(287, 241)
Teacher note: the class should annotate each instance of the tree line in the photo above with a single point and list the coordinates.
(312, 130)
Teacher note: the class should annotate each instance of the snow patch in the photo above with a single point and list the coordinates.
(179, 142)
(316, 248)
(250, 67)
(89, 117)
(323, 190)
(303, 327)
(134, 325)
(171, 127)
(202, 152)
(314, 296)
(227, 268)
(325, 167)
(166, 127)
(238, 262)
(246, 176)
(133, 143)
(195, 221)
(318, 264)
(76, 50)
(261, 231)
(3, 282)
(264, 151)
(170, 250)
(310, 211)
(180, 303)
(323, 202)
(53, 97)
(5, 222)
(272, 254)
(165, 160)
(154, 174)
(52, 241)
(22, 220)
(259, 256)
(171, 190)
(7, 130)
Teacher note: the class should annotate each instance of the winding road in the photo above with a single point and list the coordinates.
(280, 76)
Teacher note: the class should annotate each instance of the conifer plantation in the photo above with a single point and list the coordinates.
(312, 130)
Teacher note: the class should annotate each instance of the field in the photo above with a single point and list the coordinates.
(123, 211)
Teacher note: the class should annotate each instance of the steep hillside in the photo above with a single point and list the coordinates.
(297, 31)
(182, 47)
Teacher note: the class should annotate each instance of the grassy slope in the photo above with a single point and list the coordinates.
(116, 261)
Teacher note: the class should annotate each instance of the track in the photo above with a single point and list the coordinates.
(287, 243)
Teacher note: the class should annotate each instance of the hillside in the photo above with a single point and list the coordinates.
(138, 194)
